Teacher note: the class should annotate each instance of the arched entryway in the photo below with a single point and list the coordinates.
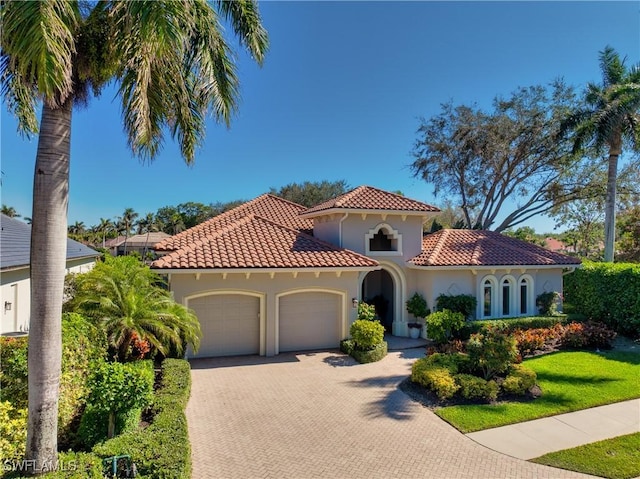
(378, 289)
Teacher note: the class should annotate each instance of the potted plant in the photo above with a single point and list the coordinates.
(417, 307)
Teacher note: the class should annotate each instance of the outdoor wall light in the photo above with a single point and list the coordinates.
(7, 306)
(354, 302)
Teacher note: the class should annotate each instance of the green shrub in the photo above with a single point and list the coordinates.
(117, 392)
(162, 450)
(437, 379)
(473, 387)
(366, 311)
(13, 371)
(367, 334)
(547, 303)
(13, 432)
(417, 306)
(458, 303)
(512, 324)
(492, 352)
(378, 352)
(347, 346)
(82, 343)
(442, 324)
(519, 380)
(607, 292)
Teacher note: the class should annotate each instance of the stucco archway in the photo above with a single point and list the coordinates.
(389, 286)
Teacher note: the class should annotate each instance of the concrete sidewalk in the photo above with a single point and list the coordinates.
(530, 439)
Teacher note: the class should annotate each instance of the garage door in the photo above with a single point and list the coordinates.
(309, 320)
(230, 324)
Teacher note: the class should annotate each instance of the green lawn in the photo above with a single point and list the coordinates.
(570, 381)
(617, 458)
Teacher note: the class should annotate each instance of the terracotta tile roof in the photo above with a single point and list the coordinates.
(266, 206)
(256, 242)
(369, 198)
(483, 248)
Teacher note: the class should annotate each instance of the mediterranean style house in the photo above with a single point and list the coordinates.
(15, 272)
(271, 276)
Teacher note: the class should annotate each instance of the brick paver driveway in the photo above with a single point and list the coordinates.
(321, 415)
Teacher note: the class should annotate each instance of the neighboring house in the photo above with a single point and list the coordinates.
(15, 241)
(558, 246)
(272, 276)
(140, 244)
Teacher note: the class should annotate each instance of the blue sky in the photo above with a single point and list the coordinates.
(339, 97)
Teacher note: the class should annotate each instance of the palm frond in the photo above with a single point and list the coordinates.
(38, 39)
(20, 97)
(611, 66)
(245, 18)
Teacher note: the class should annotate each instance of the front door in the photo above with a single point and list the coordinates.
(378, 289)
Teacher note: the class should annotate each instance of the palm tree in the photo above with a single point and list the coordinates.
(104, 226)
(176, 224)
(9, 211)
(125, 224)
(147, 225)
(77, 228)
(171, 65)
(122, 295)
(610, 120)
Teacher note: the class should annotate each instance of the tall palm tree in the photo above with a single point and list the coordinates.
(171, 64)
(147, 224)
(126, 222)
(105, 225)
(610, 119)
(77, 228)
(122, 295)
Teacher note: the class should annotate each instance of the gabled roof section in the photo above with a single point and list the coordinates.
(255, 242)
(450, 247)
(370, 198)
(15, 245)
(267, 206)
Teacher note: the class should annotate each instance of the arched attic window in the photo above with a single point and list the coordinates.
(383, 239)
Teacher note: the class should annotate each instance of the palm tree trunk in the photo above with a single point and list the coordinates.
(48, 260)
(610, 206)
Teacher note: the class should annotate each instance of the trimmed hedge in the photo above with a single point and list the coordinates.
(607, 292)
(378, 352)
(161, 450)
(509, 325)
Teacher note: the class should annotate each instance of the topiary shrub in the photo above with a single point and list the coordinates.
(519, 380)
(442, 324)
(378, 352)
(417, 306)
(473, 387)
(366, 311)
(492, 352)
(547, 303)
(458, 303)
(118, 392)
(366, 334)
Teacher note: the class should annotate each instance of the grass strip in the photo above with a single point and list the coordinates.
(616, 458)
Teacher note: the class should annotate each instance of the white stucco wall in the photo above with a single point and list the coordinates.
(16, 289)
(184, 285)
